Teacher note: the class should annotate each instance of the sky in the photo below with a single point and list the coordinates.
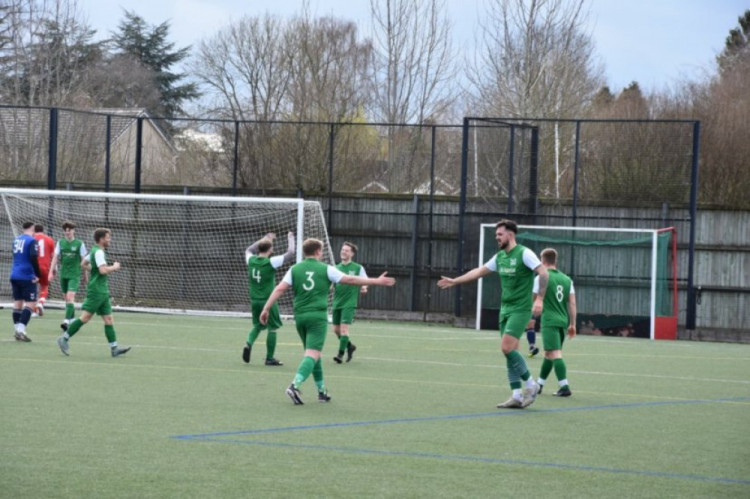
(657, 43)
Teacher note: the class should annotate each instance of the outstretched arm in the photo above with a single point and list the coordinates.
(472, 275)
(290, 254)
(381, 280)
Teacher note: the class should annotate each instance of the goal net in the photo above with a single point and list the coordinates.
(625, 279)
(179, 254)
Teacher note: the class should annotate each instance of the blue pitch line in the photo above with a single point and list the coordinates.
(216, 437)
(489, 460)
(459, 416)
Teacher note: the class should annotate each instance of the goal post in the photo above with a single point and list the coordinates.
(179, 254)
(625, 279)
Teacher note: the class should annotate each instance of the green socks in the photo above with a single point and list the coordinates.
(546, 368)
(270, 344)
(109, 332)
(74, 327)
(252, 336)
(70, 311)
(318, 376)
(303, 371)
(516, 367)
(560, 370)
(343, 343)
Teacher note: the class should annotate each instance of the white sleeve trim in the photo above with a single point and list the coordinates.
(277, 261)
(572, 289)
(362, 272)
(334, 274)
(288, 277)
(530, 259)
(100, 259)
(491, 264)
(83, 250)
(535, 289)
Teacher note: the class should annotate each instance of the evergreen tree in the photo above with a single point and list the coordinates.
(737, 45)
(149, 45)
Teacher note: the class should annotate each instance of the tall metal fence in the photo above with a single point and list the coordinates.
(441, 181)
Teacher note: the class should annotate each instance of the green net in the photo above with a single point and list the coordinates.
(611, 271)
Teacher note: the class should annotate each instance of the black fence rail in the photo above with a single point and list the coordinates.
(442, 180)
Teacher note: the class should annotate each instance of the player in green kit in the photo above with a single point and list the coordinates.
(310, 281)
(261, 272)
(516, 266)
(97, 295)
(69, 252)
(345, 299)
(558, 316)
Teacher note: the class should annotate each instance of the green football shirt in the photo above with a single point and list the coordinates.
(559, 289)
(311, 280)
(516, 270)
(70, 254)
(261, 272)
(98, 282)
(347, 295)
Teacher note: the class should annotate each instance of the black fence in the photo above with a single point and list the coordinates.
(552, 172)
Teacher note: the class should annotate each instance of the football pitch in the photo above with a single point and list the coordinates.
(412, 415)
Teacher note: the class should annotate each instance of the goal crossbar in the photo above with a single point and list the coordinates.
(180, 253)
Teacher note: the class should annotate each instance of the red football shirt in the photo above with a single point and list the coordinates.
(46, 249)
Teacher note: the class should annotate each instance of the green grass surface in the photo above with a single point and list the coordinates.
(413, 415)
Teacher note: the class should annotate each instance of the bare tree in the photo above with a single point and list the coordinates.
(415, 60)
(414, 80)
(244, 67)
(45, 48)
(535, 59)
(330, 69)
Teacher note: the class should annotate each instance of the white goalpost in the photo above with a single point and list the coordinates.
(625, 284)
(179, 254)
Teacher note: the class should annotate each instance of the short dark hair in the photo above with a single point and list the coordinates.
(264, 245)
(311, 246)
(38, 228)
(352, 246)
(100, 233)
(68, 225)
(549, 256)
(27, 225)
(508, 224)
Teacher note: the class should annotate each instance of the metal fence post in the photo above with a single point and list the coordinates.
(52, 163)
(331, 135)
(108, 154)
(576, 168)
(462, 212)
(138, 153)
(236, 159)
(534, 173)
(511, 163)
(690, 320)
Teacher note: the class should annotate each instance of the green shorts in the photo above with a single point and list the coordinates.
(97, 304)
(552, 338)
(514, 323)
(69, 284)
(312, 328)
(274, 319)
(343, 316)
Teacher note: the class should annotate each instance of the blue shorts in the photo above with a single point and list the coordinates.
(23, 290)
